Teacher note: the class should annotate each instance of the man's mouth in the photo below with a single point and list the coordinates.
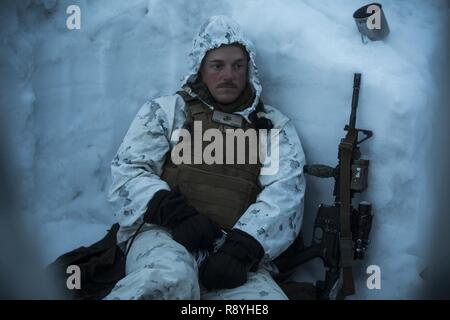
(226, 86)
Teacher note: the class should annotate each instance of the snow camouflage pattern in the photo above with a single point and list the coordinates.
(159, 268)
(276, 216)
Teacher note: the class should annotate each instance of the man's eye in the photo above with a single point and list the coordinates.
(216, 66)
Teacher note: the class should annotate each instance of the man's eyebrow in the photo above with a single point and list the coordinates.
(222, 61)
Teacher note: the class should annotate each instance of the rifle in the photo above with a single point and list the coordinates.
(341, 232)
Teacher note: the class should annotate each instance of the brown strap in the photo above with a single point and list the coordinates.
(345, 236)
(195, 106)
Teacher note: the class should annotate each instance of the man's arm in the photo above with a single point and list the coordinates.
(137, 166)
(276, 216)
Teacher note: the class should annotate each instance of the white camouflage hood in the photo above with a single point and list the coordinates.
(217, 31)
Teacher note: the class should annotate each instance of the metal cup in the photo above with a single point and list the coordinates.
(371, 22)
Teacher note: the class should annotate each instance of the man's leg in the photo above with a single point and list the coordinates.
(259, 286)
(157, 267)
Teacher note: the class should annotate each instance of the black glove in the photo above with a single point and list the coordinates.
(190, 228)
(228, 267)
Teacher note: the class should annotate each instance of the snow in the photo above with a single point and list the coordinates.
(68, 97)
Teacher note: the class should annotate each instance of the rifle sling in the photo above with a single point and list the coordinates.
(345, 236)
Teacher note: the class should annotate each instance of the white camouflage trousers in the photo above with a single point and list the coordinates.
(159, 268)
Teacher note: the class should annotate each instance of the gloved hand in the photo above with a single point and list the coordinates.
(228, 267)
(189, 227)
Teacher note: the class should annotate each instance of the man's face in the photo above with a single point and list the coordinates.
(224, 71)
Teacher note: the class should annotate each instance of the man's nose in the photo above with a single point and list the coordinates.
(228, 73)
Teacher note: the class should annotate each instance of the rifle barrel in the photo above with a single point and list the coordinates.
(356, 86)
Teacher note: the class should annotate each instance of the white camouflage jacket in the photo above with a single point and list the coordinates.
(276, 216)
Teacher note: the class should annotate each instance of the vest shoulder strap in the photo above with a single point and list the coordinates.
(194, 105)
(186, 97)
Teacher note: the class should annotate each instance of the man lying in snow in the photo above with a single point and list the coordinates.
(210, 228)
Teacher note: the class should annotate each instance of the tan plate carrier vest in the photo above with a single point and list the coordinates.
(223, 192)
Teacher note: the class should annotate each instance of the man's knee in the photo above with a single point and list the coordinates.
(165, 268)
(155, 247)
